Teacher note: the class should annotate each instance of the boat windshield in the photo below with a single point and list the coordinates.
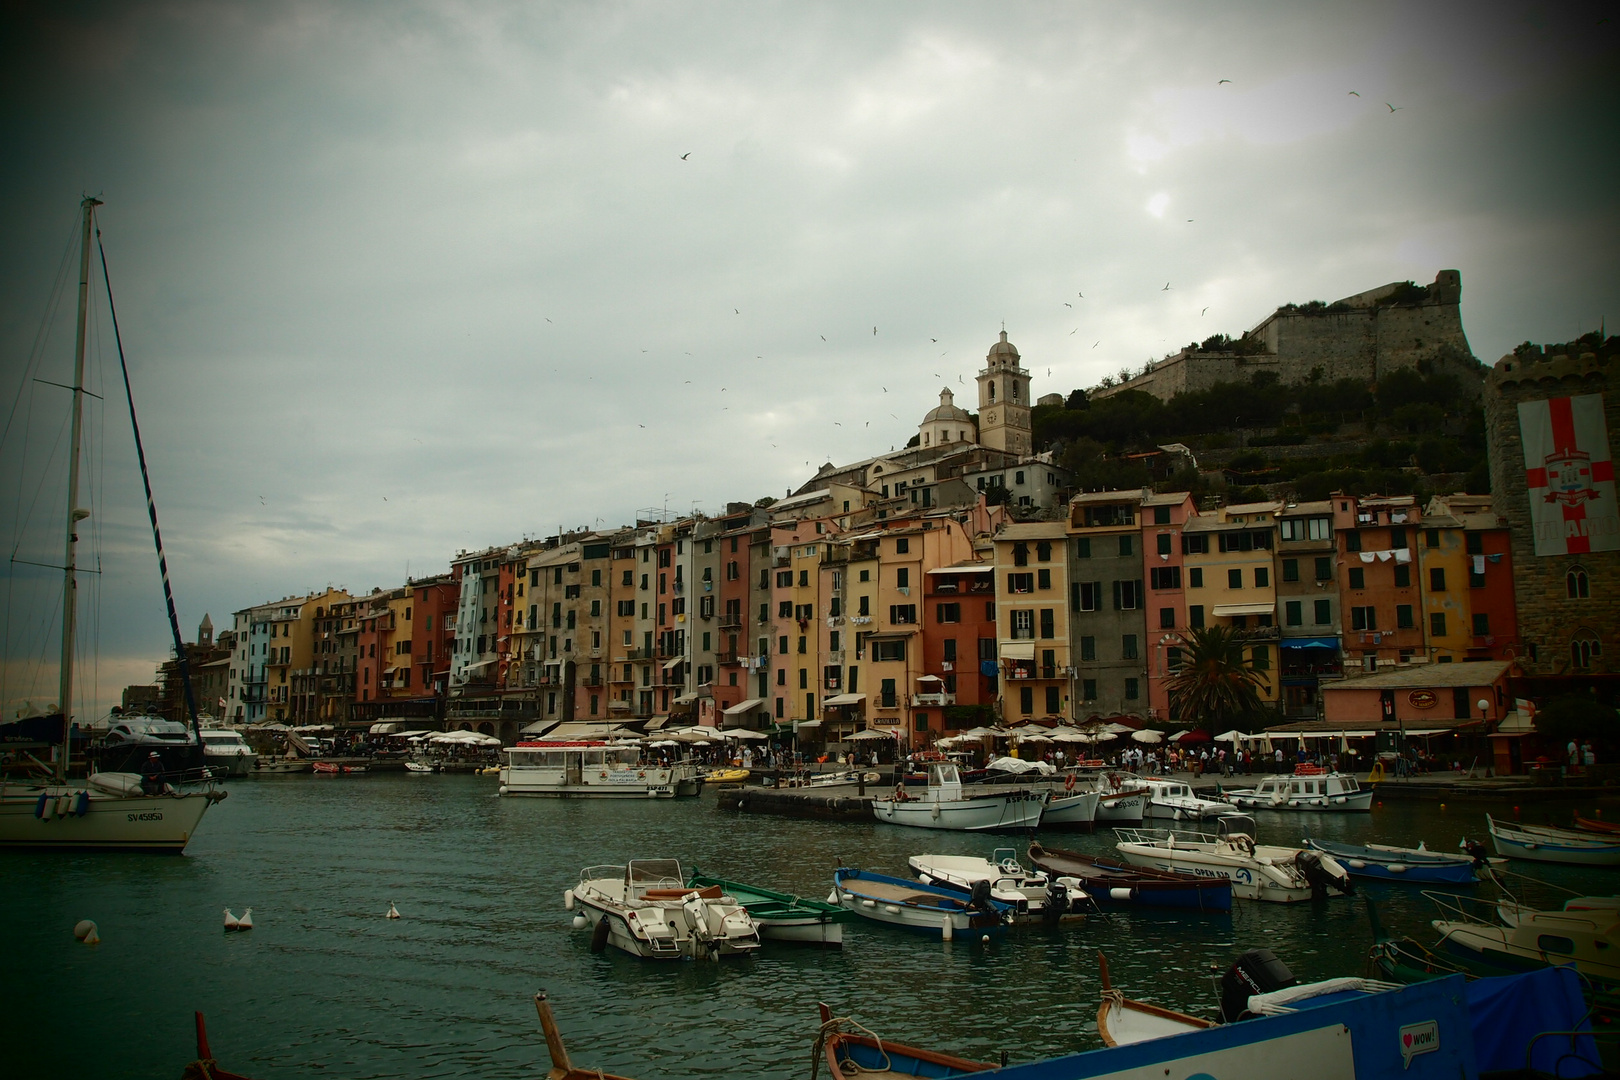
(1233, 824)
(650, 873)
(943, 772)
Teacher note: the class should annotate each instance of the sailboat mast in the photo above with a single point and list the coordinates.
(70, 582)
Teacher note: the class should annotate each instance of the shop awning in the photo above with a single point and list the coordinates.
(1017, 650)
(806, 723)
(845, 699)
(677, 662)
(480, 664)
(657, 722)
(929, 678)
(1310, 643)
(744, 706)
(1429, 731)
(985, 569)
(684, 699)
(1224, 611)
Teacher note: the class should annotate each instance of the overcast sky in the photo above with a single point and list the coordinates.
(401, 279)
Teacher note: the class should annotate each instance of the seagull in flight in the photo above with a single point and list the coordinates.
(1095, 344)
(1073, 332)
(686, 155)
(935, 340)
(1356, 93)
(1201, 313)
(734, 311)
(823, 337)
(1223, 81)
(874, 331)
(1067, 304)
(548, 320)
(1166, 287)
(1392, 108)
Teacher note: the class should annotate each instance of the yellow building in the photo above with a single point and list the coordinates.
(1443, 576)
(290, 672)
(1228, 559)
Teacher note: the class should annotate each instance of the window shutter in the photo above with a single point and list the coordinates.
(1074, 596)
(1118, 605)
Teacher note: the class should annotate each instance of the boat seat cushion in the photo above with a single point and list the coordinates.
(710, 892)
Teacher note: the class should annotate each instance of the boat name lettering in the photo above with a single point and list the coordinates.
(155, 815)
(1418, 1039)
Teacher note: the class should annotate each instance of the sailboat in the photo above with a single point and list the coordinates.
(106, 810)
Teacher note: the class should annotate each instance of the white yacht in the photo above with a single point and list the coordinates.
(1329, 792)
(646, 908)
(1176, 801)
(592, 769)
(226, 753)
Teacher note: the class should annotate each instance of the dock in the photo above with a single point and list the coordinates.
(840, 802)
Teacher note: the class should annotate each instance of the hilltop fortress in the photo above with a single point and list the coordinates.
(1361, 337)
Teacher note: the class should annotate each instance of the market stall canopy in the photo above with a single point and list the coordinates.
(844, 699)
(872, 733)
(1070, 735)
(1034, 737)
(1119, 729)
(539, 727)
(929, 678)
(386, 727)
(975, 733)
(1146, 737)
(747, 705)
(744, 733)
(479, 664)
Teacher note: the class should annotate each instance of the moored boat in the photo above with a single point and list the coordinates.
(1257, 871)
(226, 753)
(930, 909)
(1544, 844)
(1417, 865)
(562, 1068)
(1176, 801)
(725, 776)
(1309, 789)
(944, 805)
(1122, 1021)
(1071, 806)
(1111, 881)
(592, 768)
(782, 916)
(1122, 799)
(1033, 895)
(646, 908)
(858, 1055)
(1501, 937)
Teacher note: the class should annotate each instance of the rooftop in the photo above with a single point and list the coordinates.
(1427, 676)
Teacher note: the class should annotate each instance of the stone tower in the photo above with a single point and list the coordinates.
(1004, 401)
(205, 631)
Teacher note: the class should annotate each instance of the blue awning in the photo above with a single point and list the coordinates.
(1310, 643)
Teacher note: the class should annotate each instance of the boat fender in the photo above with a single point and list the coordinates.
(581, 922)
(1397, 868)
(568, 899)
(935, 812)
(832, 897)
(81, 805)
(85, 931)
(1356, 864)
(599, 936)
(64, 805)
(891, 909)
(946, 927)
(1122, 895)
(503, 789)
(42, 806)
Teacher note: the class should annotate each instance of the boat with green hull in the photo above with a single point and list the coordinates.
(782, 916)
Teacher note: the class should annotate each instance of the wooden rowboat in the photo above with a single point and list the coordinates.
(1593, 825)
(561, 1067)
(1121, 1021)
(849, 1055)
(205, 1067)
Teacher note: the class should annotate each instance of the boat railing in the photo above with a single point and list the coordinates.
(604, 872)
(1470, 909)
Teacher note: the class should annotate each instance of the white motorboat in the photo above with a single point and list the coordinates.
(1257, 871)
(418, 767)
(226, 753)
(1504, 936)
(931, 909)
(944, 805)
(1031, 893)
(1545, 844)
(647, 909)
(113, 810)
(1071, 806)
(592, 769)
(1322, 792)
(1175, 800)
(1122, 799)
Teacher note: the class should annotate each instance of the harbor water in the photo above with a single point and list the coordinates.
(327, 985)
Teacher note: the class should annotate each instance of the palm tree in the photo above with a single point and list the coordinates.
(1214, 683)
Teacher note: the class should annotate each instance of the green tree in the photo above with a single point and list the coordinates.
(1215, 684)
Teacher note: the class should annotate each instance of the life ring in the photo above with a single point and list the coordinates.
(1113, 778)
(1068, 783)
(900, 793)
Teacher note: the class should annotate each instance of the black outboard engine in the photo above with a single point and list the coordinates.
(1257, 971)
(1478, 852)
(1057, 901)
(1320, 877)
(980, 896)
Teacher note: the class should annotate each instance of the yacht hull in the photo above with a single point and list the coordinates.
(160, 823)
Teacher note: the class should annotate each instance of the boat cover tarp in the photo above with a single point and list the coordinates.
(1509, 1011)
(37, 729)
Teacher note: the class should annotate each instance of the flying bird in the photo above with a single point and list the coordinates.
(641, 425)
(1067, 304)
(1166, 287)
(1223, 81)
(1201, 313)
(548, 320)
(734, 311)
(686, 155)
(1356, 93)
(1393, 108)
(1081, 295)
(837, 424)
(935, 340)
(1095, 344)
(874, 331)
(1073, 332)
(823, 337)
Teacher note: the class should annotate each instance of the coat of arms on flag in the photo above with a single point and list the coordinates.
(1570, 475)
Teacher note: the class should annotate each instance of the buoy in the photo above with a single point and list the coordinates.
(246, 921)
(231, 921)
(985, 940)
(568, 899)
(1119, 894)
(580, 921)
(85, 931)
(393, 912)
(832, 897)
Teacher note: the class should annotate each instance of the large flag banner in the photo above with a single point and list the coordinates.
(1570, 475)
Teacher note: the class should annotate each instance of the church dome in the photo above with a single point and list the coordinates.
(946, 410)
(1003, 350)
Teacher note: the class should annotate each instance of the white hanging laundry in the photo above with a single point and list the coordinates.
(1479, 565)
(1403, 554)
(1368, 556)
(1495, 558)
(1385, 556)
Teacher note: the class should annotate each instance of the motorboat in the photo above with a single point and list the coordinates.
(1071, 806)
(592, 769)
(1500, 937)
(858, 1054)
(1034, 895)
(930, 909)
(1257, 871)
(127, 743)
(944, 805)
(1315, 792)
(1417, 865)
(1597, 826)
(782, 916)
(418, 767)
(726, 776)
(1122, 799)
(1175, 800)
(1545, 844)
(647, 909)
(226, 753)
(1122, 1021)
(1109, 881)
(336, 768)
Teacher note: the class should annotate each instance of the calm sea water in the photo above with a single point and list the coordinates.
(326, 984)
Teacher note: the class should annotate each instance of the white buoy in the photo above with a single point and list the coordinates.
(246, 921)
(581, 922)
(985, 940)
(832, 897)
(393, 912)
(946, 927)
(85, 931)
(568, 899)
(231, 921)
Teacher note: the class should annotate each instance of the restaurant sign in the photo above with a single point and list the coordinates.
(1423, 699)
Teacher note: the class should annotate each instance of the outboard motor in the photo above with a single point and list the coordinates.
(1257, 971)
(980, 896)
(1310, 864)
(1057, 901)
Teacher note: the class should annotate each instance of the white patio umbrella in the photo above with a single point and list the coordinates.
(975, 733)
(1035, 738)
(1104, 736)
(1146, 736)
(745, 733)
(870, 733)
(1233, 736)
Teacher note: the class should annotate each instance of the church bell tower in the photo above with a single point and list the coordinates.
(1004, 401)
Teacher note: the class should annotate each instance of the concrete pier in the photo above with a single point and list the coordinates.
(838, 803)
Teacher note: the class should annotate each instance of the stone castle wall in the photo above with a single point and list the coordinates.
(1364, 343)
(1548, 617)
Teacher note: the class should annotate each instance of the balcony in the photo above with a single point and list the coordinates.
(638, 654)
(730, 621)
(932, 700)
(728, 656)
(620, 677)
